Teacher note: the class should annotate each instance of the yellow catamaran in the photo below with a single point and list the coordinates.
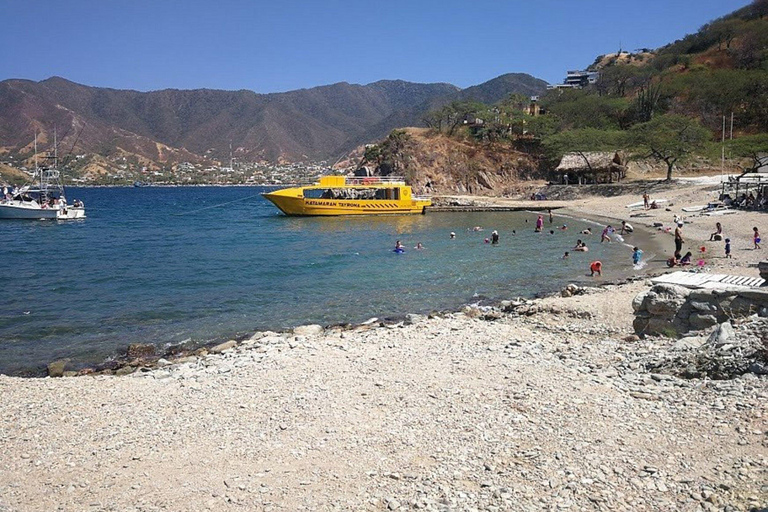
(341, 195)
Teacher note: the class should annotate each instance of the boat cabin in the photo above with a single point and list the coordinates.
(359, 188)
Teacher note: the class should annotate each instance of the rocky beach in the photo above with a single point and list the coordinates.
(546, 404)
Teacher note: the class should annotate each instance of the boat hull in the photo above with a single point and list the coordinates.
(26, 212)
(315, 207)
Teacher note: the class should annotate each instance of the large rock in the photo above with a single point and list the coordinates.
(56, 368)
(308, 330)
(665, 299)
(763, 268)
(722, 334)
(699, 321)
(639, 302)
(140, 351)
(218, 349)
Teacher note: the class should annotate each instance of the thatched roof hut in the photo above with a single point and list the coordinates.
(591, 167)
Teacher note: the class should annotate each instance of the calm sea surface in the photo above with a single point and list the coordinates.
(166, 265)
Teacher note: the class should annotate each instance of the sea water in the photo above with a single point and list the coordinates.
(167, 265)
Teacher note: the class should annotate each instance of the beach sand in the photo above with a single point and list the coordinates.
(548, 411)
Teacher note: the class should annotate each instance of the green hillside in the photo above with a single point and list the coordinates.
(667, 104)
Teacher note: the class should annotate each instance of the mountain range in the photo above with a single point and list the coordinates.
(320, 123)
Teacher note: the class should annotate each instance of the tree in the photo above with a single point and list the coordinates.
(750, 146)
(669, 138)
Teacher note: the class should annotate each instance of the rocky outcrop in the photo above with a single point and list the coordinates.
(672, 310)
(763, 268)
(727, 352)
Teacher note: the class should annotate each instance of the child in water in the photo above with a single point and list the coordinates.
(727, 247)
(566, 255)
(637, 254)
(596, 267)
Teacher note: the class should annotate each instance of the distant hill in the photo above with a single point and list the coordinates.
(199, 125)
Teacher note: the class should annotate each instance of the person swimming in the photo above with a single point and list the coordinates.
(566, 255)
(419, 246)
(453, 235)
(586, 231)
(495, 237)
(399, 247)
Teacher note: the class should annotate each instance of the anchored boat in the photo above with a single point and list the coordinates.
(43, 198)
(342, 195)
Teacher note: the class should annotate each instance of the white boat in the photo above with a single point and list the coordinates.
(43, 198)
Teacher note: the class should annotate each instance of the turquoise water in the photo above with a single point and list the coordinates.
(165, 265)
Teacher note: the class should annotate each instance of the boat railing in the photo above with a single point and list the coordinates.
(371, 180)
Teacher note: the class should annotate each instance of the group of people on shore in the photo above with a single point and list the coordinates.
(716, 236)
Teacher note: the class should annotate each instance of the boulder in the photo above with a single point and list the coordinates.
(412, 318)
(722, 334)
(125, 370)
(308, 330)
(763, 268)
(755, 295)
(699, 321)
(638, 303)
(689, 343)
(56, 368)
(704, 307)
(218, 349)
(666, 299)
(140, 351)
(570, 290)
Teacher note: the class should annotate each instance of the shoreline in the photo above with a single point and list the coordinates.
(550, 403)
(152, 356)
(465, 410)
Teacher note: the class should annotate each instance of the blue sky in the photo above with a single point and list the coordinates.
(280, 45)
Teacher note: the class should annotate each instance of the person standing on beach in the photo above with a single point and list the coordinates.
(679, 238)
(539, 224)
(646, 200)
(756, 237)
(727, 247)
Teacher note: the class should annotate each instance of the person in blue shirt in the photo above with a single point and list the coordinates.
(637, 254)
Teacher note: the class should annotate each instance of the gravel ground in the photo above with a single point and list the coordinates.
(552, 411)
(553, 406)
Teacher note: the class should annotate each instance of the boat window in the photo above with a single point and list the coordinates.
(352, 193)
(317, 193)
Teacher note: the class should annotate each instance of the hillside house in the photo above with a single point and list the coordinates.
(590, 167)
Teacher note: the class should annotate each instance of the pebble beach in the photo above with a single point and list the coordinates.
(546, 404)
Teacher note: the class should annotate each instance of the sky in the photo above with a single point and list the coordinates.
(281, 45)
